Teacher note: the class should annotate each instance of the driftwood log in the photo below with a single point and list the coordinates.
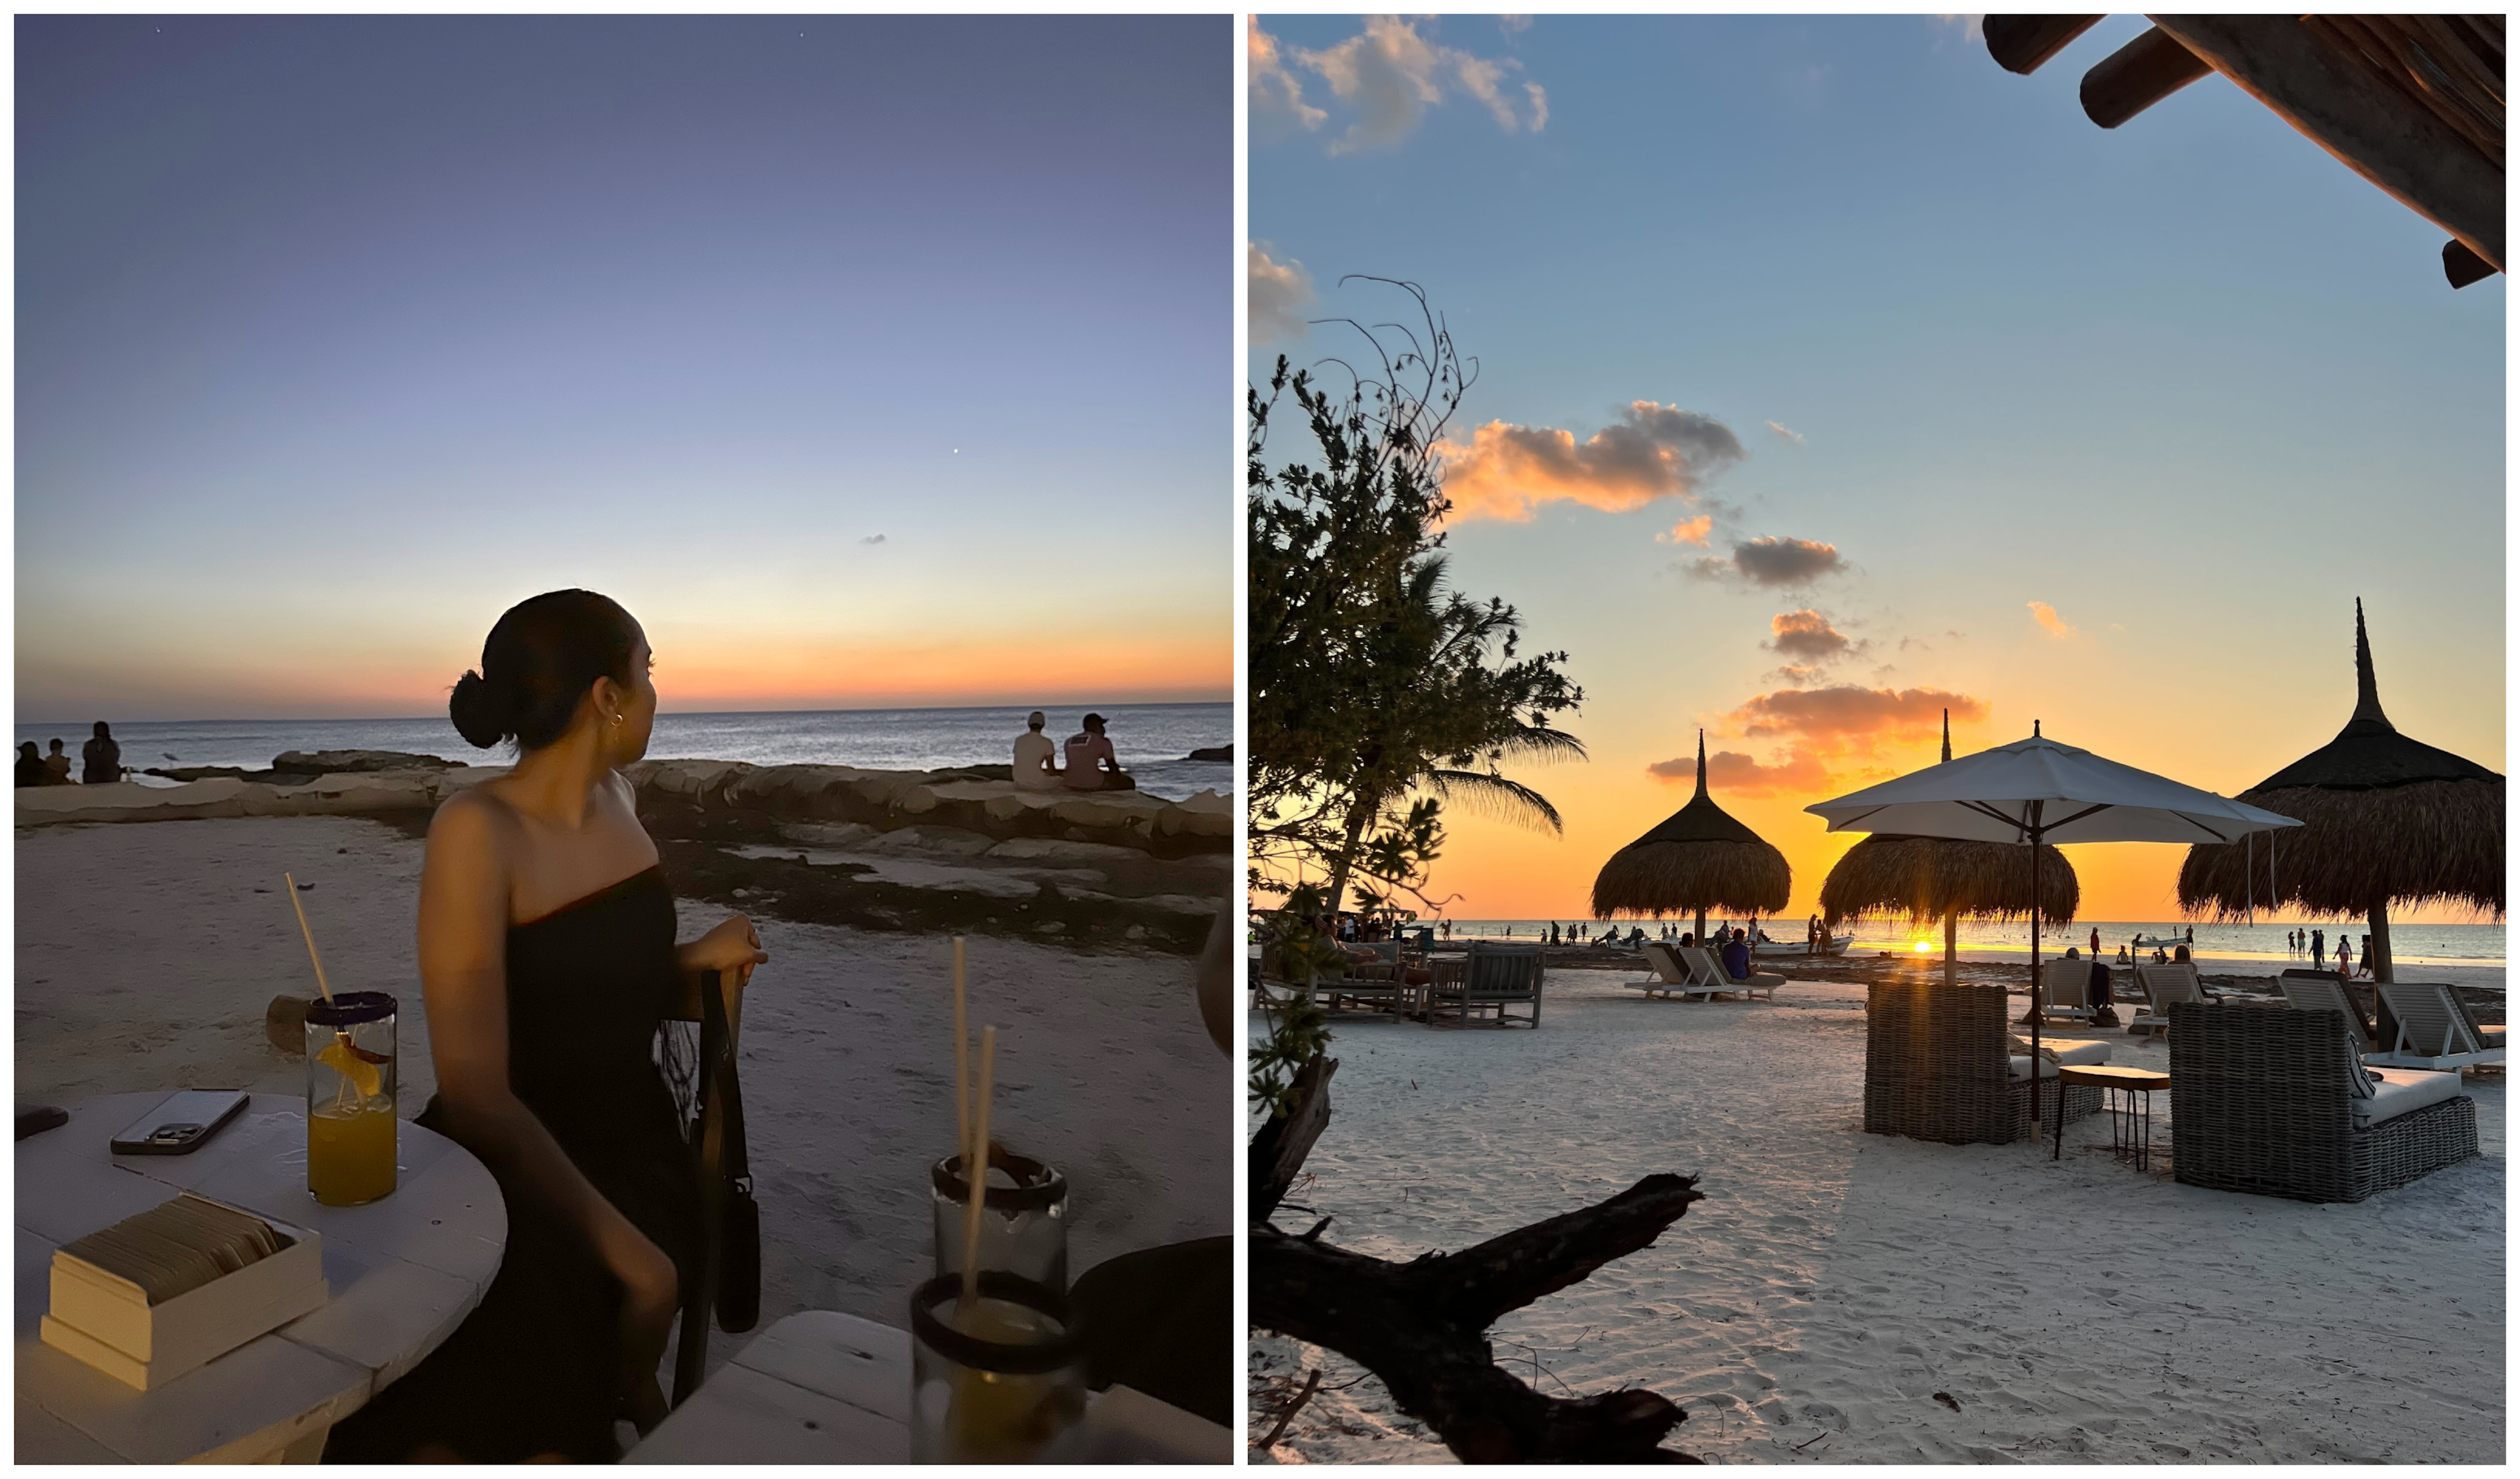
(1422, 1326)
(1276, 1153)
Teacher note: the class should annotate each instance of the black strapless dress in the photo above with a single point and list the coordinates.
(531, 1370)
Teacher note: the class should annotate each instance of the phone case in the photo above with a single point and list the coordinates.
(209, 1133)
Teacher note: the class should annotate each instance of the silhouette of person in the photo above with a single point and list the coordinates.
(57, 766)
(30, 764)
(1091, 764)
(102, 757)
(1036, 765)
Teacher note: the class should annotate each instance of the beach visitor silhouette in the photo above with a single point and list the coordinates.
(30, 764)
(2319, 949)
(1036, 765)
(57, 766)
(548, 964)
(1087, 753)
(101, 758)
(2344, 955)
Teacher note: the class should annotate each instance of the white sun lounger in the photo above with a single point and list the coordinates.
(2320, 991)
(1671, 976)
(2164, 987)
(2065, 988)
(1707, 969)
(2434, 1030)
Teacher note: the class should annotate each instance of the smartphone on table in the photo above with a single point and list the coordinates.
(183, 1124)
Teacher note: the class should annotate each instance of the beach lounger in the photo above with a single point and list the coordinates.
(1490, 979)
(1707, 969)
(2065, 988)
(2434, 1029)
(2321, 991)
(2165, 986)
(1937, 1067)
(2277, 1103)
(1670, 977)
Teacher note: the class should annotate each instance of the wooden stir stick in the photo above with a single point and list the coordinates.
(975, 1167)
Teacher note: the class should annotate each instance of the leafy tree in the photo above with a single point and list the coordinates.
(1379, 694)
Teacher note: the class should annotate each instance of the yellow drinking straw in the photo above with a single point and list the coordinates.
(975, 1171)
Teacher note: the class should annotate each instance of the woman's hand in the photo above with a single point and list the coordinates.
(733, 947)
(651, 1292)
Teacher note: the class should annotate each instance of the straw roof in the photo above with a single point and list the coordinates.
(2386, 820)
(1698, 858)
(1933, 877)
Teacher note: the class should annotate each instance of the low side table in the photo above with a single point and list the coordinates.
(2129, 1125)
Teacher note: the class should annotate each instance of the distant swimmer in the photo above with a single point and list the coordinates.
(1091, 764)
(1036, 756)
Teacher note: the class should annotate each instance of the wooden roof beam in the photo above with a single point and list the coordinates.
(2024, 43)
(2404, 150)
(2139, 75)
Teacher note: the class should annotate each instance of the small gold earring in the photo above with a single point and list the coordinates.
(616, 718)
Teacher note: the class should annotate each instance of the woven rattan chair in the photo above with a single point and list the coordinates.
(1492, 979)
(2321, 991)
(1937, 1066)
(2264, 1103)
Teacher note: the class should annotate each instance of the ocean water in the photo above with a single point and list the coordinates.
(2413, 944)
(1154, 739)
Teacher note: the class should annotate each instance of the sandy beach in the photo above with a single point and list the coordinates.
(1832, 1282)
(146, 953)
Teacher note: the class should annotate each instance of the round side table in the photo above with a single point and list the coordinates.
(404, 1271)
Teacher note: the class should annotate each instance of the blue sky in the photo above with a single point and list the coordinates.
(336, 336)
(2190, 384)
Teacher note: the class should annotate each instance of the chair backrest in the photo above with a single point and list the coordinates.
(2431, 1020)
(1926, 1029)
(2167, 985)
(2248, 1057)
(2320, 991)
(1504, 970)
(1704, 970)
(2065, 983)
(1665, 964)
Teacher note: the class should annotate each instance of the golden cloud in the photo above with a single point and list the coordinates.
(1506, 472)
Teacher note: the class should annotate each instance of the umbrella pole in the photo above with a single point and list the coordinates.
(2038, 835)
(1952, 949)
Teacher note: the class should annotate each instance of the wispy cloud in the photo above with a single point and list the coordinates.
(2046, 615)
(1651, 451)
(1774, 561)
(1278, 292)
(1277, 94)
(871, 539)
(1810, 638)
(1824, 738)
(1386, 76)
(1970, 27)
(1787, 434)
(1688, 531)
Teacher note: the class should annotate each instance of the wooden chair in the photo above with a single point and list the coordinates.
(1491, 978)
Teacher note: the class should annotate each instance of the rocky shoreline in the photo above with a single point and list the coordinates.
(928, 851)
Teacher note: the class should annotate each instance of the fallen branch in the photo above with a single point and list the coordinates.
(1312, 1384)
(1422, 1326)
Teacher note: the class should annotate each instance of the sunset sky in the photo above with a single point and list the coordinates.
(1830, 374)
(867, 361)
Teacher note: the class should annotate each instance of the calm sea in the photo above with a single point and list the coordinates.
(1154, 739)
(2413, 944)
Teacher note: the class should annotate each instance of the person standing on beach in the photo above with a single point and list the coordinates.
(101, 757)
(2365, 968)
(2344, 953)
(1036, 766)
(2319, 949)
(549, 965)
(2095, 942)
(1091, 763)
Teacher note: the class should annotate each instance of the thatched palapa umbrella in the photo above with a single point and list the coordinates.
(1699, 859)
(2389, 819)
(1948, 877)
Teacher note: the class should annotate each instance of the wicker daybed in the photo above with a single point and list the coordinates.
(2266, 1103)
(1936, 1067)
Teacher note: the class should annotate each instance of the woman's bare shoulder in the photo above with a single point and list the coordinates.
(474, 820)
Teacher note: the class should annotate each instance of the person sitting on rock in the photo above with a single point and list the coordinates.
(57, 767)
(1091, 764)
(30, 764)
(1036, 757)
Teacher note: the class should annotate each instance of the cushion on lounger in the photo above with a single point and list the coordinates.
(2402, 1090)
(2068, 1051)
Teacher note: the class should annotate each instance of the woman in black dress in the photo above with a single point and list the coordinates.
(548, 961)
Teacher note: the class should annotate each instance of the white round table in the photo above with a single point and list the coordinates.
(404, 1270)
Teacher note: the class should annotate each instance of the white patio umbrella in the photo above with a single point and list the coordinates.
(2037, 791)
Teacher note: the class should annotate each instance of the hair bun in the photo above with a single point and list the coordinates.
(479, 715)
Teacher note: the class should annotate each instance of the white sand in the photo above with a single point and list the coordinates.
(144, 960)
(1832, 1282)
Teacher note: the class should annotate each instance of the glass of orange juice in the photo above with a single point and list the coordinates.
(999, 1378)
(350, 1097)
